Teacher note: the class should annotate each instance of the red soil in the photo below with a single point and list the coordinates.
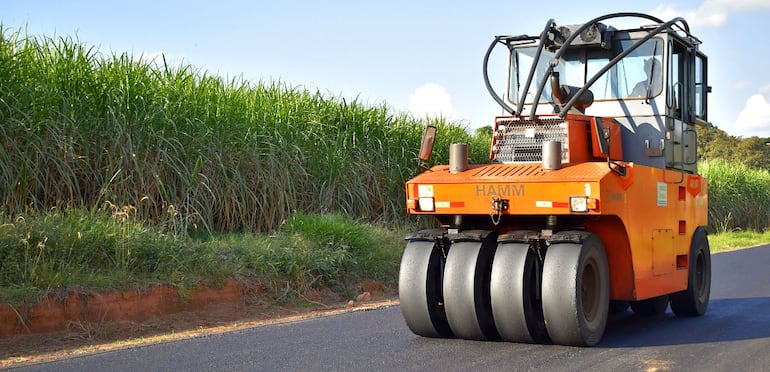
(56, 312)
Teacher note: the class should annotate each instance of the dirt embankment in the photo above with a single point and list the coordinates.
(63, 323)
(58, 311)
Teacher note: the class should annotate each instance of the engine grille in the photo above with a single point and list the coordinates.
(521, 141)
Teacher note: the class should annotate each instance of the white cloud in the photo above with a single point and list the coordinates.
(706, 15)
(432, 100)
(754, 119)
(743, 5)
(710, 13)
(743, 84)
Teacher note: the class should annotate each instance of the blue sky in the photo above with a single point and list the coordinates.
(418, 56)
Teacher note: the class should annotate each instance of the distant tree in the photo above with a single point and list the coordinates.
(714, 143)
(753, 152)
(484, 131)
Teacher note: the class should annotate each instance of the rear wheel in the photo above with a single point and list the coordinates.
(466, 291)
(517, 312)
(576, 291)
(694, 300)
(419, 289)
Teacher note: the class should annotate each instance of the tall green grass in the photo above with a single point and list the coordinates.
(739, 196)
(189, 150)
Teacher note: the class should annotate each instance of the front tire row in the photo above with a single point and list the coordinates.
(484, 290)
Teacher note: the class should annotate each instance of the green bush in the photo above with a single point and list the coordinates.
(86, 251)
(79, 249)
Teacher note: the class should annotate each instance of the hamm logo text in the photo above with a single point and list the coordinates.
(500, 190)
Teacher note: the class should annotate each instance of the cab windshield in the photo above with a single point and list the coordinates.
(637, 75)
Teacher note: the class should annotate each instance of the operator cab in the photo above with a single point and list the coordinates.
(650, 79)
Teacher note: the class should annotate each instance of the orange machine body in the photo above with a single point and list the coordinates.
(645, 217)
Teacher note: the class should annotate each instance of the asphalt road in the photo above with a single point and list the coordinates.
(734, 335)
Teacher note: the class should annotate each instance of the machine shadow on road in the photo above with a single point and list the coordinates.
(732, 319)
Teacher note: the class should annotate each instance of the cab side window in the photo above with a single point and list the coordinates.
(677, 80)
(701, 87)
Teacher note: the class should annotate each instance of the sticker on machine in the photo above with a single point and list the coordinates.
(550, 204)
(662, 194)
(448, 204)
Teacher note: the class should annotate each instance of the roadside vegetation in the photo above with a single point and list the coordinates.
(86, 251)
(187, 150)
(739, 239)
(118, 172)
(739, 196)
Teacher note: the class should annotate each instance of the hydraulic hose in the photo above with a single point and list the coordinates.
(505, 106)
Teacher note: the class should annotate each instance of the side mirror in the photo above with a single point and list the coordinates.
(426, 146)
(556, 93)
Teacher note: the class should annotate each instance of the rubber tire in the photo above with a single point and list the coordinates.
(651, 306)
(466, 291)
(570, 270)
(695, 299)
(419, 290)
(517, 314)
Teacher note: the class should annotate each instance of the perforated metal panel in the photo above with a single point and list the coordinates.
(521, 141)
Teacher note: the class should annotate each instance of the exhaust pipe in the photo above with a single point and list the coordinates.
(551, 155)
(458, 157)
